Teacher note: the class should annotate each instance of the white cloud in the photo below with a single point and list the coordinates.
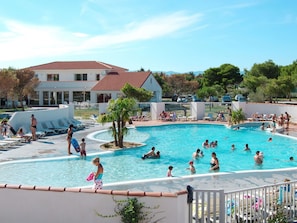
(23, 41)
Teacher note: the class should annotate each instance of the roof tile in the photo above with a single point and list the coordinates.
(74, 65)
(115, 81)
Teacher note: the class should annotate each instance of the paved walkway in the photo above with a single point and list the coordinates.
(51, 146)
(57, 146)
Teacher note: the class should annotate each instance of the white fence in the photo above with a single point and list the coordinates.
(260, 204)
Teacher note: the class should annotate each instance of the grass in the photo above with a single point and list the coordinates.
(85, 113)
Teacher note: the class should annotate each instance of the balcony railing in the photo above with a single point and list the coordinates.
(272, 203)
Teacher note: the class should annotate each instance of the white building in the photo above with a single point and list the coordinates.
(92, 81)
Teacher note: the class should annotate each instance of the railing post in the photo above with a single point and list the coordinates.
(222, 211)
(190, 201)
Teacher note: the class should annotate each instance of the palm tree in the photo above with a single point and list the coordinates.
(119, 112)
(238, 116)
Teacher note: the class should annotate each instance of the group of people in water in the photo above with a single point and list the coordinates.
(214, 162)
(152, 154)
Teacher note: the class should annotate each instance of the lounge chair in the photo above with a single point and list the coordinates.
(5, 144)
(209, 117)
(77, 124)
(56, 128)
(43, 127)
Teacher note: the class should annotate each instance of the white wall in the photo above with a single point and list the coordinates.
(156, 109)
(33, 205)
(250, 108)
(69, 75)
(151, 84)
(23, 118)
(197, 110)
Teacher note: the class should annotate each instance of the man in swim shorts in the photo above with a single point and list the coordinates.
(33, 127)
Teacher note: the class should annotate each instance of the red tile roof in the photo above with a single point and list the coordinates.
(69, 65)
(114, 81)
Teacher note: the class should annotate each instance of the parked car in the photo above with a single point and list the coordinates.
(5, 116)
(194, 98)
(182, 99)
(240, 97)
(213, 99)
(174, 97)
(226, 100)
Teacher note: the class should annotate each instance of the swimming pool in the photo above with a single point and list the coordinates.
(176, 142)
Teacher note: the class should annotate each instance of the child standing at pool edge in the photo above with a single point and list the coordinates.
(83, 147)
(98, 175)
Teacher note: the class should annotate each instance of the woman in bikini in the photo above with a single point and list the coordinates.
(69, 137)
(214, 163)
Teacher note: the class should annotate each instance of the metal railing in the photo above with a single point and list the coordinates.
(260, 204)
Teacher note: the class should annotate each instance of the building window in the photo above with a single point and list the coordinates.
(52, 77)
(66, 96)
(98, 77)
(81, 77)
(85, 77)
(81, 96)
(45, 98)
(103, 98)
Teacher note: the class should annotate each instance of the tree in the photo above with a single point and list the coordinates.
(139, 94)
(7, 82)
(225, 75)
(253, 82)
(119, 112)
(268, 69)
(25, 84)
(214, 90)
(237, 116)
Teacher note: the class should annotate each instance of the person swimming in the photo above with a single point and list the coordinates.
(197, 154)
(233, 147)
(205, 144)
(258, 158)
(192, 167)
(149, 154)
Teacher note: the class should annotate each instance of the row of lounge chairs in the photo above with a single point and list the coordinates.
(55, 127)
(7, 142)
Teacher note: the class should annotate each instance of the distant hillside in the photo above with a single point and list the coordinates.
(174, 72)
(196, 73)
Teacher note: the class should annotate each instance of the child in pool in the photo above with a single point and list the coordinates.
(192, 167)
(169, 172)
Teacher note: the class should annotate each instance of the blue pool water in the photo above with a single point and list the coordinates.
(176, 143)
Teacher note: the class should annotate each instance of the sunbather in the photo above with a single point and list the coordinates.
(21, 134)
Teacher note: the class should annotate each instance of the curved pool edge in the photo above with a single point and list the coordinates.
(223, 180)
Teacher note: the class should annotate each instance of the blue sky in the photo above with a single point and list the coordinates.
(160, 35)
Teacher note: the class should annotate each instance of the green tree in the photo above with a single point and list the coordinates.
(253, 82)
(268, 69)
(226, 75)
(237, 116)
(230, 75)
(7, 83)
(215, 90)
(270, 90)
(25, 84)
(139, 94)
(119, 112)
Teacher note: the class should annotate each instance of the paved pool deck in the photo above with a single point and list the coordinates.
(54, 146)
